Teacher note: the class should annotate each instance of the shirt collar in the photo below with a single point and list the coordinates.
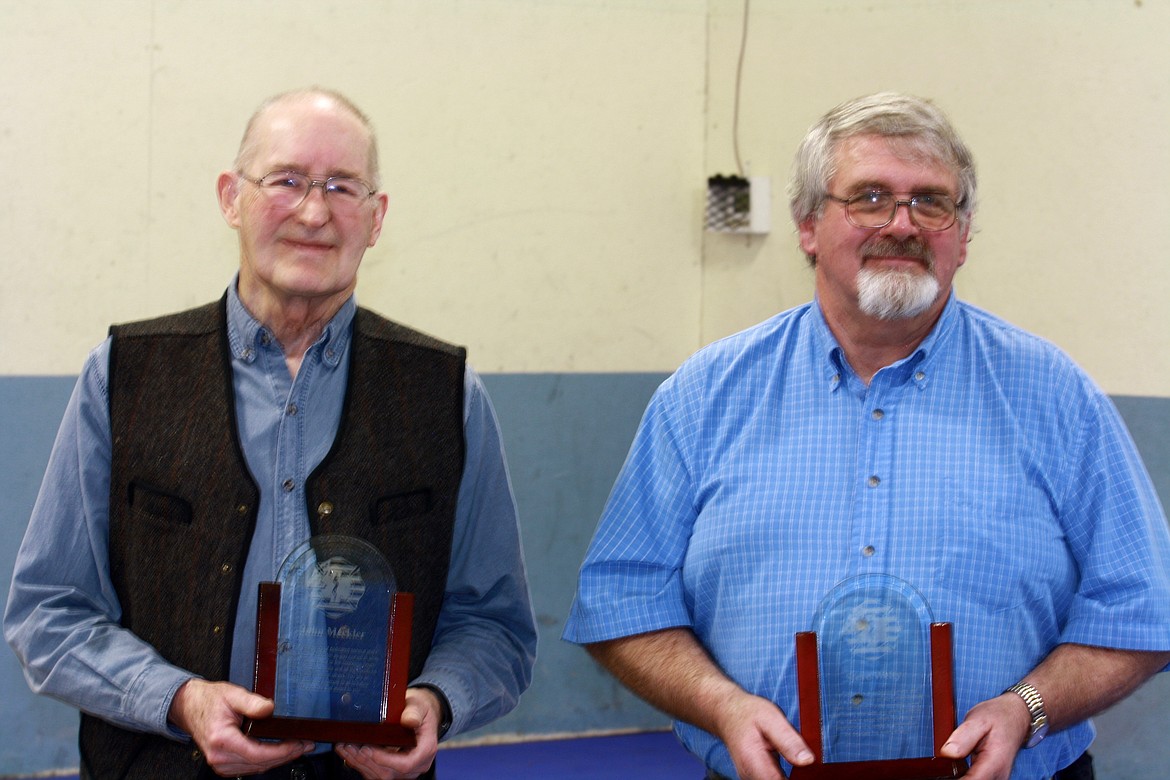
(247, 335)
(916, 366)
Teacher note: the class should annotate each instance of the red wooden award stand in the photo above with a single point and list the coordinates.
(943, 702)
(387, 731)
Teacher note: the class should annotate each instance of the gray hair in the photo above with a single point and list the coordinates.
(913, 121)
(247, 150)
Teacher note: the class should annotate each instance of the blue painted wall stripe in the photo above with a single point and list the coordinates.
(566, 436)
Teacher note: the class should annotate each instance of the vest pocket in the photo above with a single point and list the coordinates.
(401, 506)
(156, 504)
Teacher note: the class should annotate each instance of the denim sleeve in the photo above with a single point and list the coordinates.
(485, 641)
(62, 613)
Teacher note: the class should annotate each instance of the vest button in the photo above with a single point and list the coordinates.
(325, 508)
(217, 630)
(226, 568)
(242, 509)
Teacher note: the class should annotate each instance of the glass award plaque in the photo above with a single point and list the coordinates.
(333, 646)
(876, 685)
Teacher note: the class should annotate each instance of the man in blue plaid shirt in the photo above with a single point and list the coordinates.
(885, 429)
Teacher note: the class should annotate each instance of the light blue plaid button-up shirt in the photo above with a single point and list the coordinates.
(986, 470)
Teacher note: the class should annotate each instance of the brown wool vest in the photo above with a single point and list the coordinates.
(183, 505)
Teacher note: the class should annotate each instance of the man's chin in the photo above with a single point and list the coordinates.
(896, 294)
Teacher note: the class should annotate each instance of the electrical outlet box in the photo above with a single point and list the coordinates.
(739, 205)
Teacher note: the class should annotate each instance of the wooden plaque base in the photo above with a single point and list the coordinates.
(388, 731)
(943, 703)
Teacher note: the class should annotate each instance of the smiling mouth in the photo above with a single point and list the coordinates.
(312, 246)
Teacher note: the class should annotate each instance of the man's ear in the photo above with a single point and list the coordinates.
(807, 230)
(227, 187)
(381, 205)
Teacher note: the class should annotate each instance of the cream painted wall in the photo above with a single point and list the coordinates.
(546, 162)
(542, 158)
(1066, 106)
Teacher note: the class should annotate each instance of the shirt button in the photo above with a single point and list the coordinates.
(288, 485)
(919, 375)
(878, 414)
(874, 481)
(291, 410)
(868, 551)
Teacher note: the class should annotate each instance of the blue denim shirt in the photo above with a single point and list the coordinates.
(62, 615)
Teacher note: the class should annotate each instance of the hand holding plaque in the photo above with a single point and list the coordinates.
(876, 686)
(333, 645)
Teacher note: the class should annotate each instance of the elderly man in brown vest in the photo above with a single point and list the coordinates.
(201, 449)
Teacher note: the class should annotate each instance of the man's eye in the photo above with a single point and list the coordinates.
(286, 181)
(345, 187)
(871, 200)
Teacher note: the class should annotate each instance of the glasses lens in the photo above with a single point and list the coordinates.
(285, 189)
(346, 193)
(871, 209)
(933, 211)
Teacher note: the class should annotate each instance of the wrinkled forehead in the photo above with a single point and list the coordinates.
(871, 157)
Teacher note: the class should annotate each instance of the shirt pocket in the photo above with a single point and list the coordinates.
(1001, 549)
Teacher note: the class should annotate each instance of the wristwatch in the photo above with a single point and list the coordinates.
(1039, 727)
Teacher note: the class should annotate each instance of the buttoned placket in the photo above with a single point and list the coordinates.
(290, 396)
(877, 407)
(872, 470)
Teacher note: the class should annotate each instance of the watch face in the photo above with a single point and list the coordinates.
(1039, 732)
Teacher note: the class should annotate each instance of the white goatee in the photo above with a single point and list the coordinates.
(895, 295)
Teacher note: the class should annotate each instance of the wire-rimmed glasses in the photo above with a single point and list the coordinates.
(288, 189)
(930, 211)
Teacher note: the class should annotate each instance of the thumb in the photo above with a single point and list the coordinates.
(413, 714)
(961, 742)
(248, 704)
(420, 703)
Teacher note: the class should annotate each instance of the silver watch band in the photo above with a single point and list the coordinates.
(1038, 728)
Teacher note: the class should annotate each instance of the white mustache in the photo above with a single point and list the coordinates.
(888, 247)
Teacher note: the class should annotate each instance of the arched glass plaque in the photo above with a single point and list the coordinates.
(876, 685)
(332, 646)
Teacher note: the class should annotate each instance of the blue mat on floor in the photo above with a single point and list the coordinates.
(648, 756)
(653, 756)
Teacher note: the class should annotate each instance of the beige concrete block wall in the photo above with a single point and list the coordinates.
(1066, 106)
(546, 162)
